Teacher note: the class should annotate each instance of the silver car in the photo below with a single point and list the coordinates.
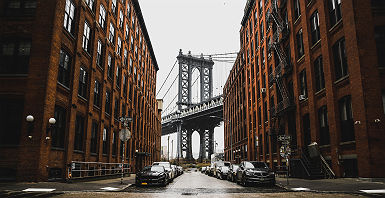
(168, 168)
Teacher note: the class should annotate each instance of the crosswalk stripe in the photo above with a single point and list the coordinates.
(39, 189)
(382, 191)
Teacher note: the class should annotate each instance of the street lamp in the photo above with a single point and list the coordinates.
(231, 136)
(51, 123)
(30, 120)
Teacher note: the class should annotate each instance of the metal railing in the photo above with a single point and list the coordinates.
(79, 169)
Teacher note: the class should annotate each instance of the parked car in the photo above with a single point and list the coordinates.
(152, 175)
(210, 171)
(219, 164)
(166, 166)
(254, 172)
(223, 172)
(232, 172)
(203, 169)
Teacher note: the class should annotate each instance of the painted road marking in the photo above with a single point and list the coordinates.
(109, 188)
(39, 189)
(374, 191)
(300, 189)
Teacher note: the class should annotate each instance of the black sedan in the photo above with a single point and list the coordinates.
(253, 172)
(152, 175)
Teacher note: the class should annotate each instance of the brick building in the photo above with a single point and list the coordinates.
(85, 63)
(310, 69)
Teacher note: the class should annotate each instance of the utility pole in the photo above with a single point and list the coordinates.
(168, 148)
(172, 149)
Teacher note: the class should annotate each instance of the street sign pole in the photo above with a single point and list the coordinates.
(124, 135)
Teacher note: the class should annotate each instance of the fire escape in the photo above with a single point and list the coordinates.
(283, 68)
(310, 163)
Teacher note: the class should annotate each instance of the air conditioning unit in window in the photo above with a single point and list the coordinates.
(263, 90)
(302, 97)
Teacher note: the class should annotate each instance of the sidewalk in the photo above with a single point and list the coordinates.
(100, 185)
(340, 185)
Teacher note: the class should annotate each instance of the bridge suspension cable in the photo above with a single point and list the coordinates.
(170, 86)
(166, 77)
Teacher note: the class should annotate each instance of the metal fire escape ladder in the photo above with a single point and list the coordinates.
(274, 17)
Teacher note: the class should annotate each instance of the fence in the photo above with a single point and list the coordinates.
(95, 169)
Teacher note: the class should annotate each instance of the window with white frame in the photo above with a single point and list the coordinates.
(69, 15)
(121, 18)
(90, 4)
(119, 47)
(99, 53)
(102, 16)
(314, 27)
(86, 37)
(111, 36)
(113, 7)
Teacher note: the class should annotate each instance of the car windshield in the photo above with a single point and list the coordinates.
(225, 168)
(157, 169)
(227, 163)
(255, 165)
(164, 164)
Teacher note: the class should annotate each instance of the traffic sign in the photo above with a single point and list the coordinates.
(124, 134)
(285, 151)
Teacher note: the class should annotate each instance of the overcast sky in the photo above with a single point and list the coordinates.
(199, 26)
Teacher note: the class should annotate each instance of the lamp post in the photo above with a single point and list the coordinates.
(51, 122)
(231, 136)
(30, 120)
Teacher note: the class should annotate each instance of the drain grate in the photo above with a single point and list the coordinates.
(189, 193)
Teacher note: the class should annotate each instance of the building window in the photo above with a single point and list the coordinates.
(300, 48)
(324, 125)
(111, 36)
(340, 60)
(267, 151)
(105, 141)
(58, 132)
(110, 65)
(116, 108)
(121, 18)
(306, 129)
(97, 90)
(127, 32)
(303, 83)
(119, 47)
(125, 57)
(260, 7)
(346, 118)
(90, 4)
(79, 133)
(118, 76)
(94, 137)
(130, 69)
(261, 31)
(102, 17)
(335, 14)
(14, 56)
(20, 7)
(379, 35)
(83, 82)
(319, 74)
(259, 116)
(11, 117)
(69, 16)
(314, 26)
(263, 57)
(297, 9)
(107, 108)
(99, 54)
(383, 100)
(125, 85)
(113, 7)
(132, 43)
(64, 68)
(265, 111)
(86, 37)
(114, 142)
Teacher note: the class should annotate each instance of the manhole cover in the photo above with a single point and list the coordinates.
(189, 193)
